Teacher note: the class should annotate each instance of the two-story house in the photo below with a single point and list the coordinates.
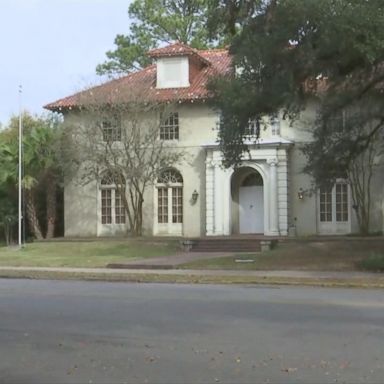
(267, 194)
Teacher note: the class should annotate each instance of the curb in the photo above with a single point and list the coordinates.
(189, 277)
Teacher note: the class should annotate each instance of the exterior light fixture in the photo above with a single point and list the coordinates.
(300, 194)
(194, 196)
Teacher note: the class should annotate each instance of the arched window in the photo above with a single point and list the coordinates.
(170, 198)
(112, 207)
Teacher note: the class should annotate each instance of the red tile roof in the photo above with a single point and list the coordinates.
(177, 49)
(218, 60)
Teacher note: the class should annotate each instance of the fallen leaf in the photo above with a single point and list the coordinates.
(323, 363)
(289, 370)
(344, 365)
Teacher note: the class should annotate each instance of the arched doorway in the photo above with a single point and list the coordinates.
(247, 189)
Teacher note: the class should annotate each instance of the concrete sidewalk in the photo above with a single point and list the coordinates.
(341, 279)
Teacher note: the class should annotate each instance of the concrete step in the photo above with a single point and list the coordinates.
(224, 245)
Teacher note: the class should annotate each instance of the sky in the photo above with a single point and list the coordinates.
(51, 48)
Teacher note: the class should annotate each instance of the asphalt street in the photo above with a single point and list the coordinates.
(98, 332)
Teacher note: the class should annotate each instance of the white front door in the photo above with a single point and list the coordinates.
(251, 209)
(334, 210)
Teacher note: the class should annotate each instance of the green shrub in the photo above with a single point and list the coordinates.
(374, 263)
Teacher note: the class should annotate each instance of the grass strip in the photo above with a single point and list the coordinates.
(193, 279)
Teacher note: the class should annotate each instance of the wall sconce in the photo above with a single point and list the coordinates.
(194, 196)
(300, 194)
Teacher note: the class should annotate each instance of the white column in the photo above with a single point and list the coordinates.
(273, 207)
(209, 198)
(227, 201)
(218, 200)
(169, 224)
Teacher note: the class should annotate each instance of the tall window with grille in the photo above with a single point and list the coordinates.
(341, 202)
(106, 206)
(252, 130)
(119, 209)
(325, 204)
(112, 207)
(162, 204)
(111, 129)
(169, 126)
(170, 202)
(334, 208)
(334, 203)
(275, 125)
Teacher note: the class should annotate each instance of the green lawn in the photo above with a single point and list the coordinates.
(303, 255)
(84, 254)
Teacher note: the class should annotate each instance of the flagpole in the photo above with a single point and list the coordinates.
(20, 166)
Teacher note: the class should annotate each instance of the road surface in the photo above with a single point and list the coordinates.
(97, 332)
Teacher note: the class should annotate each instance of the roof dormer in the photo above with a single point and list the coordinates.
(172, 72)
(177, 65)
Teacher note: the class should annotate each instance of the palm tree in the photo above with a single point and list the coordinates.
(42, 148)
(40, 167)
(9, 176)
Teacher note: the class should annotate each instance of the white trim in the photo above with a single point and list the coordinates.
(218, 192)
(272, 141)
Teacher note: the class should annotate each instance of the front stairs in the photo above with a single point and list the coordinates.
(229, 244)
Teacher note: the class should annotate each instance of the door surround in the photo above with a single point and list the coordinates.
(239, 180)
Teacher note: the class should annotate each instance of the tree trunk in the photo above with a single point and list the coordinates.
(32, 214)
(7, 232)
(51, 208)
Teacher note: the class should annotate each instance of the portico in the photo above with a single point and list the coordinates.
(253, 198)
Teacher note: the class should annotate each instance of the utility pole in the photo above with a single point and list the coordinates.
(20, 167)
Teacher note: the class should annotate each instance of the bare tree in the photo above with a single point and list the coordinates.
(360, 175)
(117, 134)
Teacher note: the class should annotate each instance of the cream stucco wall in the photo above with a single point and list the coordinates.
(198, 133)
(80, 209)
(197, 123)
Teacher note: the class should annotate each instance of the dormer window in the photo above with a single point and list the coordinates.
(172, 72)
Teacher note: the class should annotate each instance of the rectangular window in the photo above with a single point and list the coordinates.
(341, 202)
(162, 205)
(325, 204)
(253, 128)
(106, 206)
(111, 129)
(177, 205)
(119, 209)
(169, 127)
(275, 125)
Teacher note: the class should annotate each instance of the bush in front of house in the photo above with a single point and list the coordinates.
(373, 263)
